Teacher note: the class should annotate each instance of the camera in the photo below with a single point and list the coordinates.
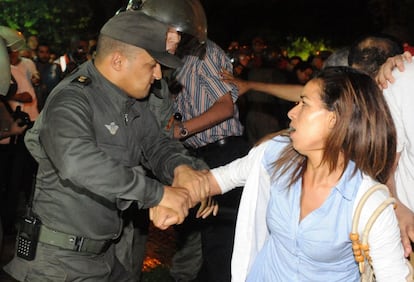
(23, 117)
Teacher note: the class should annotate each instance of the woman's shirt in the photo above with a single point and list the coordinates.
(318, 247)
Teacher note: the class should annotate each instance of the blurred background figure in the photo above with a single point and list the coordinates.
(292, 62)
(32, 45)
(318, 59)
(75, 56)
(234, 46)
(240, 59)
(50, 73)
(258, 48)
(302, 72)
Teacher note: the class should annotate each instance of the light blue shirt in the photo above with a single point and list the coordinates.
(317, 248)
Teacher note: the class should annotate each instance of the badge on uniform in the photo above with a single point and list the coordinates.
(112, 127)
(82, 79)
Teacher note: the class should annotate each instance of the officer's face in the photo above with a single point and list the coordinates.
(139, 72)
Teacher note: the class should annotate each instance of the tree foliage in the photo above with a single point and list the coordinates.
(55, 21)
(303, 47)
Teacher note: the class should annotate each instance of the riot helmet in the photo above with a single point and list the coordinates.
(4, 68)
(186, 16)
(14, 39)
(10, 40)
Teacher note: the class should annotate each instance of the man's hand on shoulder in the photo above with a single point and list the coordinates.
(384, 74)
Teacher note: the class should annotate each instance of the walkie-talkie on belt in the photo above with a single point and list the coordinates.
(29, 228)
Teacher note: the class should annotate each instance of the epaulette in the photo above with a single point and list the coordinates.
(84, 80)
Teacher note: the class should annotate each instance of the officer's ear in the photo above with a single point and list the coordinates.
(117, 60)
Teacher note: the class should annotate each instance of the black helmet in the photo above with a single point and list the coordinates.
(187, 16)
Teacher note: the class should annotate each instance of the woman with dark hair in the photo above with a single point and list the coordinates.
(301, 187)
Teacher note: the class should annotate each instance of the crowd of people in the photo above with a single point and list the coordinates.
(257, 159)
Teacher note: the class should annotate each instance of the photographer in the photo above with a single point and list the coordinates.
(17, 165)
(12, 124)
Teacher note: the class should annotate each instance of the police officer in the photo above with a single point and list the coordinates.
(91, 139)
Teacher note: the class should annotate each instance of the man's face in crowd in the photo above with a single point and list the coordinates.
(43, 54)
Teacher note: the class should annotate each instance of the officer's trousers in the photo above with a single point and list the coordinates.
(53, 264)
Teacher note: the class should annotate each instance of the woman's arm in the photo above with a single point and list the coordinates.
(225, 178)
(214, 186)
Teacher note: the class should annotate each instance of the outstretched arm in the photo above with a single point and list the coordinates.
(289, 92)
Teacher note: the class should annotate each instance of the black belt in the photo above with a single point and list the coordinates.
(216, 144)
(72, 242)
(225, 140)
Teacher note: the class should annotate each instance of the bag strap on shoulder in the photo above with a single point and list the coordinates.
(360, 246)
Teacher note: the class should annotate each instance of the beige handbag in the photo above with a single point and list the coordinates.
(360, 244)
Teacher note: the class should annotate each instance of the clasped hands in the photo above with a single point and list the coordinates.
(189, 188)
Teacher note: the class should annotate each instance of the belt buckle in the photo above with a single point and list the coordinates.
(222, 142)
(78, 243)
(106, 246)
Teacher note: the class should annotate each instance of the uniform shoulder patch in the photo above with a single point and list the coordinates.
(82, 80)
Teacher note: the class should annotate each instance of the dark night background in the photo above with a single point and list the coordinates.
(338, 22)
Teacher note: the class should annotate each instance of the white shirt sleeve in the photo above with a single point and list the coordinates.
(251, 229)
(384, 239)
(235, 173)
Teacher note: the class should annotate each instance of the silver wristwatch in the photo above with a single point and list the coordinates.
(183, 131)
